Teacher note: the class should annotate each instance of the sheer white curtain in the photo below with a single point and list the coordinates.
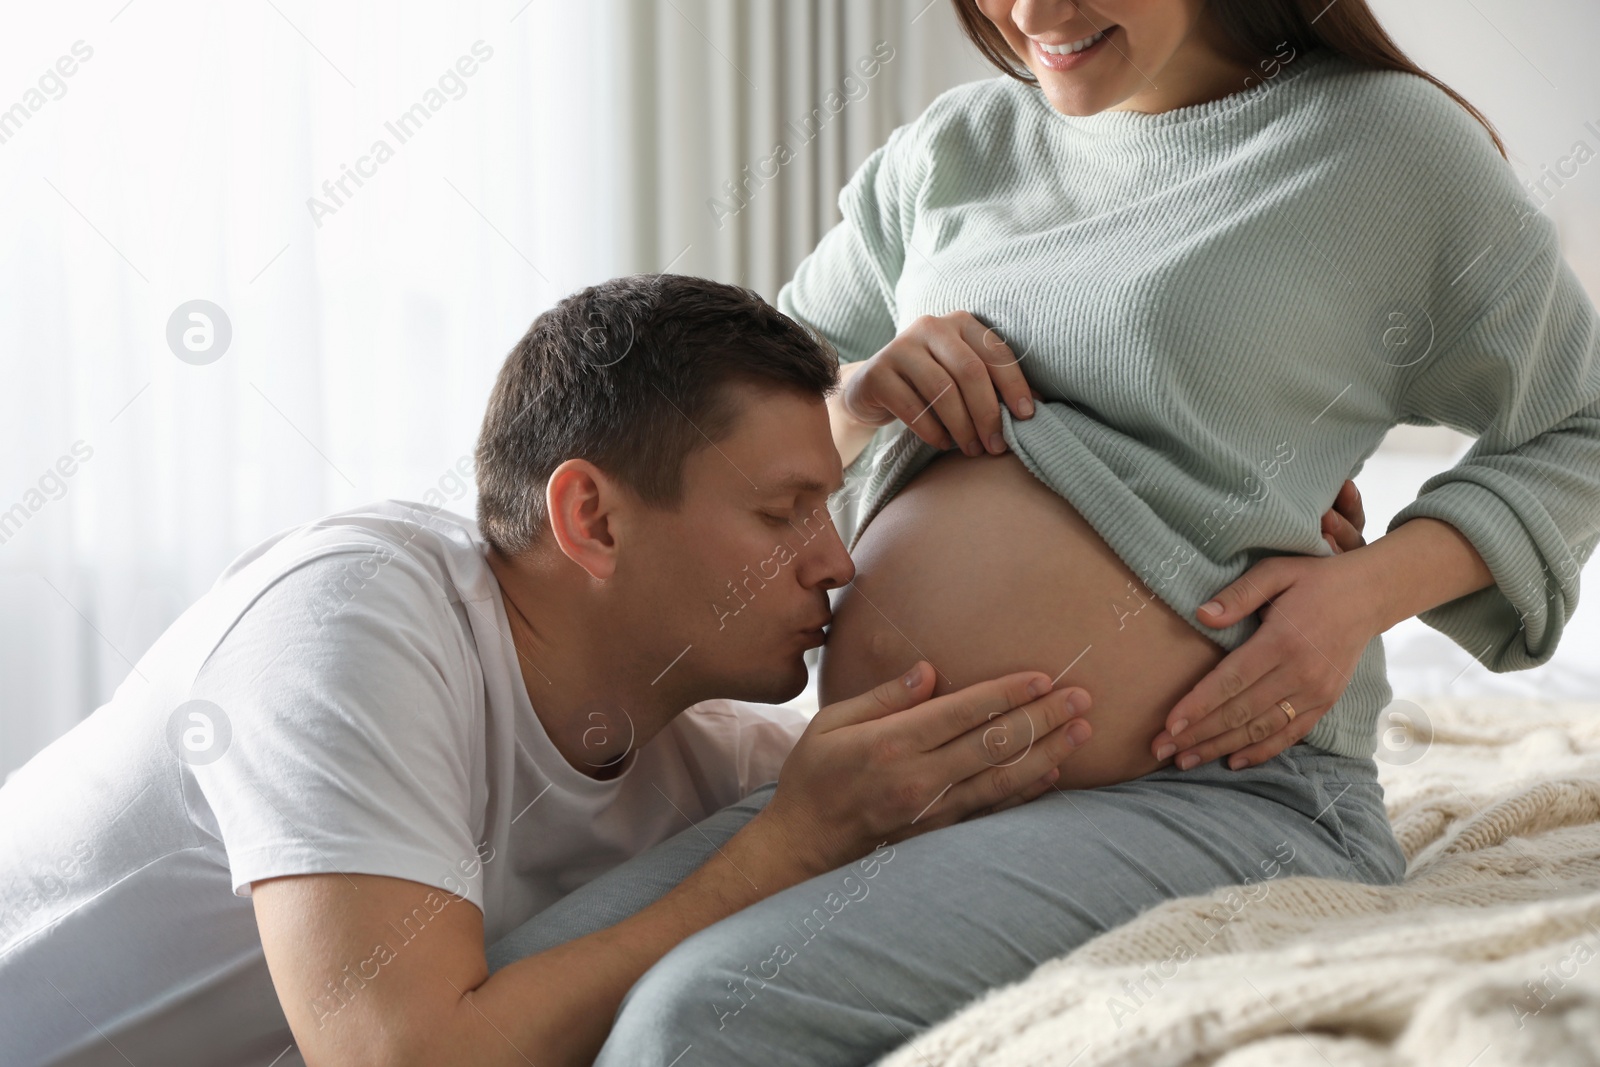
(379, 198)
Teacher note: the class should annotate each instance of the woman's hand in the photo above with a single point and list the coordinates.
(1318, 613)
(898, 761)
(1342, 527)
(1207, 705)
(944, 376)
(1342, 524)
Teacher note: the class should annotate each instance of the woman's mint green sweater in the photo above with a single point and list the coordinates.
(1226, 306)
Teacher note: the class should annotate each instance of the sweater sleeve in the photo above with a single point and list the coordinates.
(845, 288)
(1524, 378)
(838, 292)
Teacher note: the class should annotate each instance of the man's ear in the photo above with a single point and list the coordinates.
(582, 502)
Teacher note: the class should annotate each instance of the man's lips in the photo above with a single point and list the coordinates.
(822, 623)
(817, 635)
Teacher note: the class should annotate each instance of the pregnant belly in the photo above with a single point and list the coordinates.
(982, 570)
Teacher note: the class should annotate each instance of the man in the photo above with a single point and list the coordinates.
(385, 738)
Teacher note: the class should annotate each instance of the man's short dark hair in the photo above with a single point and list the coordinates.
(631, 375)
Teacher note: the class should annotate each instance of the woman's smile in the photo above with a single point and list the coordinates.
(1126, 55)
(1071, 54)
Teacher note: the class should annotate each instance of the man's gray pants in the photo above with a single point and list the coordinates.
(847, 966)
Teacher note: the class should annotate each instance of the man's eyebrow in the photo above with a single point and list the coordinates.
(793, 483)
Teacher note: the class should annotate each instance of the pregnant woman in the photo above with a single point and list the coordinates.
(1229, 245)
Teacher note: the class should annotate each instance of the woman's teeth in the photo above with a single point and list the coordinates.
(1068, 49)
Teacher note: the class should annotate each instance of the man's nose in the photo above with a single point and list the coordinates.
(834, 567)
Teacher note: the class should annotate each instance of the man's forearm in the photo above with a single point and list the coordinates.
(1421, 564)
(556, 1007)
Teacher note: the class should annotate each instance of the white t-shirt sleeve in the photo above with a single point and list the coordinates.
(348, 689)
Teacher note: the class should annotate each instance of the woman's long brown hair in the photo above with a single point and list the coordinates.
(1255, 29)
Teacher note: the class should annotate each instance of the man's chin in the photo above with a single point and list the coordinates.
(779, 684)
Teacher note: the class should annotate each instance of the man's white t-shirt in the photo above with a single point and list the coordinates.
(346, 698)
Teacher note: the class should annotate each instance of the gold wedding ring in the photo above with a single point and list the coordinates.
(1288, 709)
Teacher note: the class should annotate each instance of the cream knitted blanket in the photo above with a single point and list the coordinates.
(1487, 954)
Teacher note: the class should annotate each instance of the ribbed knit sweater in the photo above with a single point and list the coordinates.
(1226, 307)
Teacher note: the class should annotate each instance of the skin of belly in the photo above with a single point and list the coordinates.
(982, 570)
